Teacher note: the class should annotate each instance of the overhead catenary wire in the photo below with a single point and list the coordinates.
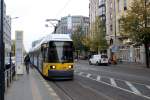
(63, 8)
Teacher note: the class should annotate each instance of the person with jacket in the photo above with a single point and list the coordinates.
(27, 63)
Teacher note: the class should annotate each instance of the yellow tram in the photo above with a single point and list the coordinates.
(53, 56)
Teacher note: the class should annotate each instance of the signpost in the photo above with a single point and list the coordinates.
(19, 52)
(2, 68)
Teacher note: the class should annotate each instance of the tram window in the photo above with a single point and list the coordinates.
(60, 52)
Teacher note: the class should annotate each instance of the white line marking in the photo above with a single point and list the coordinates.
(133, 88)
(80, 73)
(148, 86)
(88, 75)
(98, 78)
(113, 83)
(98, 92)
(124, 80)
(53, 94)
(35, 90)
(50, 89)
(47, 85)
(141, 95)
(44, 82)
(122, 89)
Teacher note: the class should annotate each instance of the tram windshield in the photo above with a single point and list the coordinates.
(60, 52)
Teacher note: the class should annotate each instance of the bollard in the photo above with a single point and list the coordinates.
(5, 80)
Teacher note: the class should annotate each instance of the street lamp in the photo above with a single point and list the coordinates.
(146, 45)
(2, 46)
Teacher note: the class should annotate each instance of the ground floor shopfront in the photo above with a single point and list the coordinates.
(128, 53)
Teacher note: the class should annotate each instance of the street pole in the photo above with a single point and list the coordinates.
(146, 43)
(2, 68)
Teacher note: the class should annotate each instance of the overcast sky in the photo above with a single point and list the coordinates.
(33, 13)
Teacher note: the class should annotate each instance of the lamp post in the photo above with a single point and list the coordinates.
(146, 43)
(2, 46)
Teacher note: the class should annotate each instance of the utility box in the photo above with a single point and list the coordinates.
(19, 52)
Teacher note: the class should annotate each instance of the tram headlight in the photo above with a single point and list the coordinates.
(70, 66)
(53, 67)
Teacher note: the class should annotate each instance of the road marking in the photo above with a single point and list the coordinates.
(148, 86)
(98, 78)
(113, 83)
(50, 89)
(125, 90)
(35, 90)
(88, 75)
(53, 93)
(44, 82)
(80, 73)
(94, 90)
(133, 88)
(47, 85)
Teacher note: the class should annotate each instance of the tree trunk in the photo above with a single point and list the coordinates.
(146, 55)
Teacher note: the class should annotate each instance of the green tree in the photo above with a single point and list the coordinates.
(99, 42)
(134, 24)
(13, 46)
(77, 37)
(86, 41)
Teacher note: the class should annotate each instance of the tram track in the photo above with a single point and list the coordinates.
(75, 90)
(65, 93)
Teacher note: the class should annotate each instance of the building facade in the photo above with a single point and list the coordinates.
(7, 35)
(68, 24)
(120, 45)
(97, 8)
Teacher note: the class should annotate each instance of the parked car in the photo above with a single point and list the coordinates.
(83, 57)
(98, 59)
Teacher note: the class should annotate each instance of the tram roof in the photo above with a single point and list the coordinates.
(52, 37)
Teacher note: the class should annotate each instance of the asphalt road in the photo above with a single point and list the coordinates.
(105, 83)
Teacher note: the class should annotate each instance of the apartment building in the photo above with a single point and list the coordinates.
(120, 45)
(7, 34)
(97, 8)
(68, 24)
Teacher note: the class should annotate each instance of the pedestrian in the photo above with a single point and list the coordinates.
(27, 63)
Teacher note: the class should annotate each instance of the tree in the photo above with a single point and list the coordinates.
(13, 46)
(86, 41)
(77, 37)
(134, 24)
(99, 42)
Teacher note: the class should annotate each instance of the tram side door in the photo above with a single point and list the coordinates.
(44, 48)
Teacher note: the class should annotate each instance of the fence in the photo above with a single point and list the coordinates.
(9, 74)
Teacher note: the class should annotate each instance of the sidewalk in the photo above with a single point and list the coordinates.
(123, 64)
(30, 87)
(130, 65)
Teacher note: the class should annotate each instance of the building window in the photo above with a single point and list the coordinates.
(111, 5)
(110, 16)
(102, 10)
(125, 4)
(111, 28)
(119, 5)
(101, 2)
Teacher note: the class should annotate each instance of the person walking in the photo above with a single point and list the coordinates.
(27, 63)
